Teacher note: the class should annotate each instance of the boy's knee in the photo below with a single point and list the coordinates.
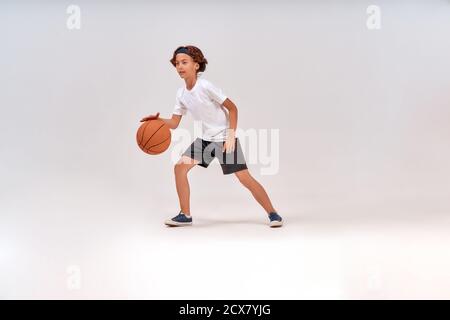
(178, 167)
(181, 168)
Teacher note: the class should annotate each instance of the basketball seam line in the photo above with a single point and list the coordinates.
(153, 135)
(143, 132)
(157, 144)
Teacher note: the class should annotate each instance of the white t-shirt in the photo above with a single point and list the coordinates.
(204, 102)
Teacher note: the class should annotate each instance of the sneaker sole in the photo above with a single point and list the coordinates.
(177, 224)
(276, 224)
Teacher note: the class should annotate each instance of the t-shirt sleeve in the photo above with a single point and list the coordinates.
(214, 92)
(179, 108)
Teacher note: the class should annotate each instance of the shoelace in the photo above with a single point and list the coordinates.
(274, 217)
(181, 217)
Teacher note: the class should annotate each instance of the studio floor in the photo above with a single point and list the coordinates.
(322, 252)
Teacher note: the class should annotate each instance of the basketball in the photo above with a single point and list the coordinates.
(153, 136)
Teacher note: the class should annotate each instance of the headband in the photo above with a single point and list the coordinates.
(182, 50)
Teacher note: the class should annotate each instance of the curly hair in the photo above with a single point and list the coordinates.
(196, 55)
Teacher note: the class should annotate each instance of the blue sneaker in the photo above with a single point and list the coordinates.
(179, 220)
(275, 220)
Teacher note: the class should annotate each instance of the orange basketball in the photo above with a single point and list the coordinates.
(153, 136)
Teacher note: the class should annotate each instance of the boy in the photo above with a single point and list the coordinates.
(218, 115)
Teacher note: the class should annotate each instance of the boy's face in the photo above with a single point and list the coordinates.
(186, 67)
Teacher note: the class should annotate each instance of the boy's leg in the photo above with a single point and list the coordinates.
(256, 189)
(181, 170)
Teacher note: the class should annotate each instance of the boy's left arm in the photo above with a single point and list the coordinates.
(231, 133)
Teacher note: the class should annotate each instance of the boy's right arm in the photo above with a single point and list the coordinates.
(172, 123)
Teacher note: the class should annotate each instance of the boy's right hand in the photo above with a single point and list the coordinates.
(152, 117)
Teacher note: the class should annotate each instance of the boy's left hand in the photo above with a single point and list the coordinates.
(229, 144)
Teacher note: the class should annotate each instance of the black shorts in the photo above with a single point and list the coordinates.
(205, 152)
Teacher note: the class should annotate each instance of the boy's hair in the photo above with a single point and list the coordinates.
(196, 55)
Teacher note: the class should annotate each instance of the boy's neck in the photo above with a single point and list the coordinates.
(190, 83)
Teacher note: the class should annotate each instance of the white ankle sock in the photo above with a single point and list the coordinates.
(187, 216)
